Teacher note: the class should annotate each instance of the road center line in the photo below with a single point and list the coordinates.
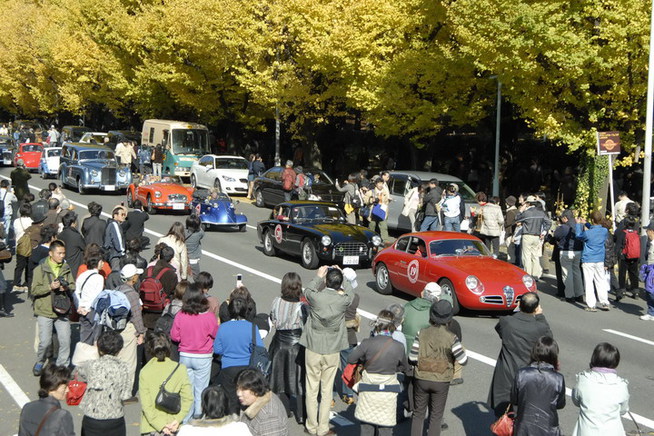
(626, 335)
(473, 355)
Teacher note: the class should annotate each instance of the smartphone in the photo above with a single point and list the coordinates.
(239, 280)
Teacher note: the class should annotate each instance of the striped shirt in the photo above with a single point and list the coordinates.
(457, 350)
(286, 315)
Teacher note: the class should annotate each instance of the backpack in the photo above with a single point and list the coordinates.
(153, 297)
(165, 321)
(631, 248)
(287, 181)
(354, 200)
(111, 310)
(24, 245)
(301, 181)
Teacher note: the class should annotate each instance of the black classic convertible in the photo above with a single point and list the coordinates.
(317, 231)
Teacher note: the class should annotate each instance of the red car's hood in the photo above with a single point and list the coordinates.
(487, 269)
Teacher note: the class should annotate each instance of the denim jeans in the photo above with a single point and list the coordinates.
(344, 355)
(198, 368)
(429, 223)
(8, 227)
(650, 303)
(62, 325)
(156, 169)
(451, 224)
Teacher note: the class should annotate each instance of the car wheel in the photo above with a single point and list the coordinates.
(383, 280)
(308, 255)
(216, 185)
(151, 208)
(258, 198)
(130, 199)
(268, 247)
(205, 227)
(80, 188)
(447, 287)
(194, 181)
(242, 228)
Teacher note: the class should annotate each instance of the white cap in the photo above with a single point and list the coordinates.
(432, 291)
(351, 276)
(129, 271)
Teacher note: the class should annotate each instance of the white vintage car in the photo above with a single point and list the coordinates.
(227, 174)
(49, 165)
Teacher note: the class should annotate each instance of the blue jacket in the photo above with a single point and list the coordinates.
(593, 239)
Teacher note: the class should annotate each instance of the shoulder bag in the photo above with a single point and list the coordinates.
(352, 371)
(169, 402)
(45, 418)
(259, 359)
(504, 425)
(76, 390)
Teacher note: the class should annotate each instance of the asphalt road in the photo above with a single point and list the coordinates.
(228, 253)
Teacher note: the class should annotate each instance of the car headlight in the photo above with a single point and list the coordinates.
(95, 173)
(157, 194)
(122, 171)
(528, 281)
(474, 285)
(228, 179)
(326, 240)
(376, 240)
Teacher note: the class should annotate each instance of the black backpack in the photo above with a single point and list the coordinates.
(165, 322)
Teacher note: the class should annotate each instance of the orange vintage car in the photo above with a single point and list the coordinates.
(166, 194)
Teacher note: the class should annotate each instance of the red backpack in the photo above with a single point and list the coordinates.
(153, 297)
(288, 180)
(631, 248)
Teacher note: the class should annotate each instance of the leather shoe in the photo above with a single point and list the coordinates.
(38, 369)
(5, 314)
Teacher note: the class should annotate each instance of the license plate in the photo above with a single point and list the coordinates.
(179, 206)
(109, 187)
(350, 260)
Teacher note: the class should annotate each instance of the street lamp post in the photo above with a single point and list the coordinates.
(647, 163)
(496, 166)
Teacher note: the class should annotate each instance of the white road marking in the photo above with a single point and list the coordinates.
(12, 387)
(473, 355)
(626, 335)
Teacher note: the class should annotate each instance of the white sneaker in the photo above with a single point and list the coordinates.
(647, 317)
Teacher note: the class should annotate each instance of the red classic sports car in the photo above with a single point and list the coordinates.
(167, 194)
(31, 154)
(459, 263)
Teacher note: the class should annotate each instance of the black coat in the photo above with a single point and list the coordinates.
(538, 391)
(519, 333)
(93, 230)
(59, 423)
(134, 224)
(75, 245)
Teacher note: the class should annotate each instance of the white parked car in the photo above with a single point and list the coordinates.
(228, 174)
(93, 138)
(49, 165)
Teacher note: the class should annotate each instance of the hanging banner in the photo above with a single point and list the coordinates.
(608, 143)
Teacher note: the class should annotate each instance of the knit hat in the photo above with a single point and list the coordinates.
(432, 291)
(440, 312)
(510, 200)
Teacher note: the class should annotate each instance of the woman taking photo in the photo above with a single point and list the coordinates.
(216, 420)
(382, 358)
(234, 345)
(176, 240)
(194, 235)
(288, 315)
(434, 350)
(194, 329)
(108, 385)
(263, 412)
(46, 413)
(538, 391)
(351, 197)
(601, 395)
(155, 421)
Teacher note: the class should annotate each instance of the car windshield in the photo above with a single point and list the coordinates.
(96, 154)
(96, 139)
(189, 141)
(219, 196)
(171, 179)
(231, 164)
(458, 247)
(36, 148)
(318, 177)
(54, 153)
(311, 213)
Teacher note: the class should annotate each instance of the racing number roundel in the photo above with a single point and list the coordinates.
(412, 271)
(278, 233)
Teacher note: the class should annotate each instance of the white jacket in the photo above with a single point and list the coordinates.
(91, 287)
(181, 254)
(602, 399)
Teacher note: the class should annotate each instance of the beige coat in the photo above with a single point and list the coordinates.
(492, 220)
(181, 254)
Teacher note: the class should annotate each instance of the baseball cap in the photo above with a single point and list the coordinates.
(432, 291)
(531, 199)
(20, 162)
(351, 277)
(650, 226)
(129, 271)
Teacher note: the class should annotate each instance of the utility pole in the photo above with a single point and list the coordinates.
(647, 164)
(496, 167)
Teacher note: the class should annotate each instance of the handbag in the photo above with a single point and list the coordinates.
(169, 402)
(353, 371)
(76, 390)
(259, 358)
(45, 418)
(378, 212)
(84, 353)
(61, 303)
(504, 425)
(365, 212)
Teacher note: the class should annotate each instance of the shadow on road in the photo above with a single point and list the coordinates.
(476, 418)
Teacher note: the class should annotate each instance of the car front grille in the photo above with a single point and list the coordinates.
(350, 249)
(178, 197)
(108, 176)
(499, 300)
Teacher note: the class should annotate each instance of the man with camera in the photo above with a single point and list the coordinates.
(52, 287)
(324, 336)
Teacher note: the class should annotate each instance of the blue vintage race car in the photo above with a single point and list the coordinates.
(217, 209)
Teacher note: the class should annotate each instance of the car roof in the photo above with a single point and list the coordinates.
(85, 146)
(31, 143)
(430, 236)
(52, 148)
(425, 175)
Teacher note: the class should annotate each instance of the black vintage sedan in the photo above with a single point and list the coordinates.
(268, 187)
(317, 231)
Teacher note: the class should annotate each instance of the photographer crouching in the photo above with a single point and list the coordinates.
(52, 287)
